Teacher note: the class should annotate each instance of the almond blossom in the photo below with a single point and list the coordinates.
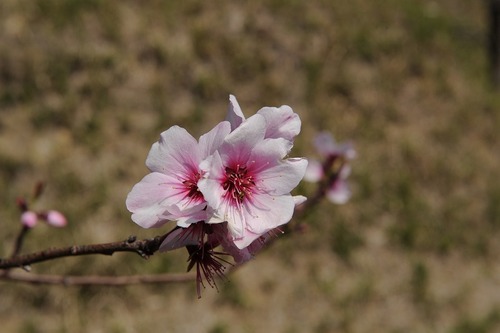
(281, 122)
(231, 188)
(54, 218)
(335, 169)
(170, 191)
(29, 219)
(248, 181)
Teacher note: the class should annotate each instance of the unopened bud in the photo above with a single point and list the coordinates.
(56, 219)
(29, 219)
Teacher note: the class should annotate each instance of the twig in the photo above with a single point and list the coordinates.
(144, 248)
(93, 280)
(19, 241)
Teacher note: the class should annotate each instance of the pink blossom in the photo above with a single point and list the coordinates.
(314, 172)
(339, 192)
(231, 188)
(55, 219)
(201, 239)
(29, 219)
(335, 169)
(247, 181)
(200, 234)
(281, 122)
(170, 191)
(327, 147)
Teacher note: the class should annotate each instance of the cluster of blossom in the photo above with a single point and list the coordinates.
(334, 169)
(30, 218)
(230, 188)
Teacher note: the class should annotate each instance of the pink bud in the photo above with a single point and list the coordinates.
(56, 219)
(29, 219)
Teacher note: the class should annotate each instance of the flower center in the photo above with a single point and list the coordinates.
(238, 184)
(192, 187)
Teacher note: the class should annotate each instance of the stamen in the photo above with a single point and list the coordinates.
(238, 184)
(209, 265)
(191, 187)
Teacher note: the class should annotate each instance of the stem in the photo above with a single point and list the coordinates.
(144, 248)
(19, 241)
(91, 280)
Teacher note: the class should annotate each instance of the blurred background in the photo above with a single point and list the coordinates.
(86, 86)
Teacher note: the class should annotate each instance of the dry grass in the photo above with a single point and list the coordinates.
(87, 86)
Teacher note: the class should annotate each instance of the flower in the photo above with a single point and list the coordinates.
(29, 219)
(52, 217)
(327, 147)
(170, 191)
(337, 157)
(55, 218)
(231, 188)
(281, 122)
(247, 181)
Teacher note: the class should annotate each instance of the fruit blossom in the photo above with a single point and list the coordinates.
(231, 187)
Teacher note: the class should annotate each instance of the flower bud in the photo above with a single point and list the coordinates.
(55, 219)
(29, 219)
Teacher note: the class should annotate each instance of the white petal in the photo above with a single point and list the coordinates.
(234, 114)
(178, 238)
(185, 215)
(176, 152)
(282, 122)
(282, 178)
(147, 198)
(249, 242)
(325, 144)
(314, 171)
(299, 199)
(212, 140)
(339, 192)
(266, 212)
(234, 217)
(270, 150)
(238, 144)
(211, 186)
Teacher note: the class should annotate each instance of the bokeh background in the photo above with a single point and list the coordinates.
(86, 86)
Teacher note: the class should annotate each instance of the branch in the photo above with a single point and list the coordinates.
(144, 248)
(89, 280)
(19, 240)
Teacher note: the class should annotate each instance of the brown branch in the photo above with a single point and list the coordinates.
(19, 240)
(144, 248)
(93, 280)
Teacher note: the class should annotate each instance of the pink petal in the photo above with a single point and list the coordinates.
(314, 171)
(187, 216)
(177, 238)
(339, 192)
(270, 150)
(345, 171)
(234, 114)
(147, 199)
(211, 186)
(262, 214)
(325, 144)
(29, 219)
(239, 255)
(176, 152)
(299, 199)
(282, 122)
(212, 140)
(56, 219)
(233, 215)
(239, 143)
(283, 177)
